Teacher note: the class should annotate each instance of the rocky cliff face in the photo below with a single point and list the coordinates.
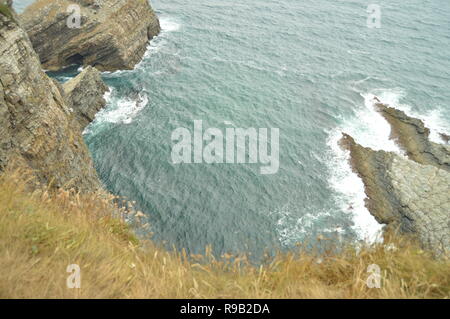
(411, 196)
(37, 128)
(113, 34)
(84, 95)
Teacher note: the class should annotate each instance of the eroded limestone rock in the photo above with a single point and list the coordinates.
(405, 195)
(412, 136)
(84, 95)
(37, 129)
(114, 34)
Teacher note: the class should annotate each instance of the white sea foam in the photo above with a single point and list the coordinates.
(370, 129)
(292, 229)
(433, 119)
(121, 110)
(125, 111)
(168, 24)
(349, 190)
(108, 94)
(107, 97)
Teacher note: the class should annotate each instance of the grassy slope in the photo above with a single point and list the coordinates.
(41, 234)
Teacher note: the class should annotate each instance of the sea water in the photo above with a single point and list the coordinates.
(307, 67)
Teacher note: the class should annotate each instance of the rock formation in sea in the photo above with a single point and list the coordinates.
(113, 34)
(85, 95)
(413, 137)
(409, 195)
(38, 129)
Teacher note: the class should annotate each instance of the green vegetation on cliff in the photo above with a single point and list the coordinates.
(6, 11)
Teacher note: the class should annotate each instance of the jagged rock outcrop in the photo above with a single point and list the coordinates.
(405, 195)
(413, 137)
(37, 128)
(113, 34)
(84, 95)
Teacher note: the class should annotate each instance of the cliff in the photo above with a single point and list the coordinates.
(409, 195)
(38, 130)
(84, 95)
(113, 34)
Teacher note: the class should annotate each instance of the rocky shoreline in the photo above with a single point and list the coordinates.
(408, 194)
(41, 121)
(414, 138)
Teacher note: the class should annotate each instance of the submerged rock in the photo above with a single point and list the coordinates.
(113, 34)
(405, 195)
(37, 129)
(84, 95)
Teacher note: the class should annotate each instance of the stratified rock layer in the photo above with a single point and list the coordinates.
(405, 195)
(37, 129)
(84, 95)
(413, 137)
(113, 34)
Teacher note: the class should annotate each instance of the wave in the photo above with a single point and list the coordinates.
(433, 119)
(168, 24)
(370, 129)
(121, 110)
(292, 229)
(349, 190)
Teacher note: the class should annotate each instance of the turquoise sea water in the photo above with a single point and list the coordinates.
(306, 67)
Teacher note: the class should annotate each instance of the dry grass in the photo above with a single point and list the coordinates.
(42, 233)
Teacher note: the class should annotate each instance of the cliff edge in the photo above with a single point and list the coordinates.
(112, 34)
(38, 129)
